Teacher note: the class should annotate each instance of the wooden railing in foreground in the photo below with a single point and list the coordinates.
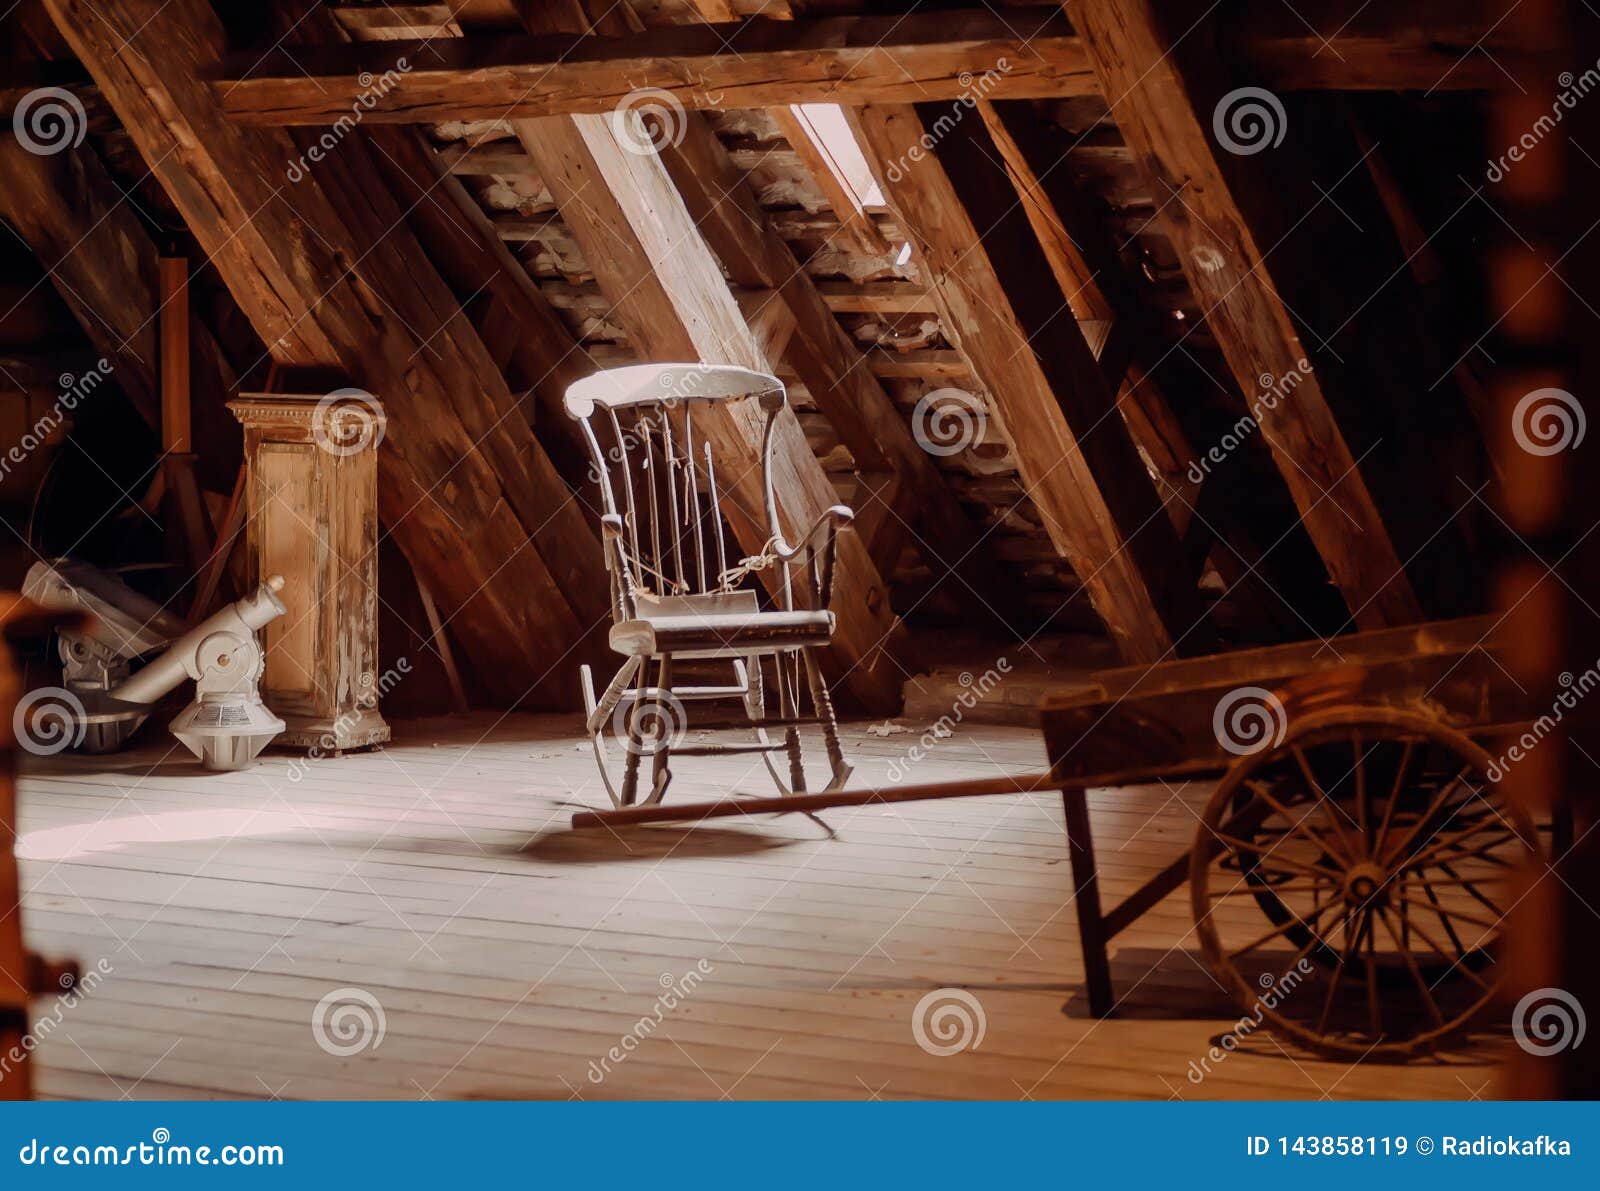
(22, 974)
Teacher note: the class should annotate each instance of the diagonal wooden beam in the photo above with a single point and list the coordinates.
(329, 275)
(530, 343)
(669, 294)
(668, 291)
(724, 207)
(1016, 330)
(99, 256)
(1167, 121)
(1084, 256)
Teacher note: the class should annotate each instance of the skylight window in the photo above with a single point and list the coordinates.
(831, 133)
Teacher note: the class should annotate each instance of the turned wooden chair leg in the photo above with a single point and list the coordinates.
(667, 711)
(839, 768)
(789, 707)
(755, 695)
(634, 745)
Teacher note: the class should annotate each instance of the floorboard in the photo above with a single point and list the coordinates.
(436, 884)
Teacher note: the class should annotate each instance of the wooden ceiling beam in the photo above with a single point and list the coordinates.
(329, 275)
(755, 63)
(1016, 330)
(1350, 45)
(1021, 52)
(1169, 126)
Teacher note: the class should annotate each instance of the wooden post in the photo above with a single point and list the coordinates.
(188, 527)
(1086, 901)
(311, 496)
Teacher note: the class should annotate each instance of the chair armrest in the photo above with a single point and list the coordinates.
(830, 521)
(817, 544)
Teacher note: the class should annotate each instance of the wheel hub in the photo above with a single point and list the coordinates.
(1366, 883)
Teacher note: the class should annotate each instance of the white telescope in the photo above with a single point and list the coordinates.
(226, 726)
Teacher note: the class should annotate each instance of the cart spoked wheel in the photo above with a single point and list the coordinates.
(1349, 882)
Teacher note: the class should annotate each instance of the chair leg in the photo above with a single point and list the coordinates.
(823, 702)
(666, 712)
(755, 694)
(755, 706)
(634, 746)
(601, 724)
(789, 704)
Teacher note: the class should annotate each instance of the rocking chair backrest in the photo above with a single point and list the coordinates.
(658, 477)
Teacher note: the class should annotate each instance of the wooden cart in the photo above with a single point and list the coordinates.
(1346, 874)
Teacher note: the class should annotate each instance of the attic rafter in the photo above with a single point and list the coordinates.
(527, 338)
(1014, 327)
(469, 503)
(1087, 262)
(828, 362)
(102, 261)
(1169, 127)
(1092, 275)
(669, 294)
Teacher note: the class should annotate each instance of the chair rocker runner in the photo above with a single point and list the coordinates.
(674, 594)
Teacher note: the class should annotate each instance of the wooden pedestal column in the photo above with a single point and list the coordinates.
(311, 501)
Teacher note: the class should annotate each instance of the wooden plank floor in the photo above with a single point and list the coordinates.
(436, 884)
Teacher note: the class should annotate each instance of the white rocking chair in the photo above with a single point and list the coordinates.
(673, 593)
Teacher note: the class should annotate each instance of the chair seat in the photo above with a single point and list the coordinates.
(721, 634)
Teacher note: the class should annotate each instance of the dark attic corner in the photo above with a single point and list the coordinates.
(800, 550)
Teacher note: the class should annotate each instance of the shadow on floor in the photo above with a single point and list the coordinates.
(654, 842)
(1153, 985)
